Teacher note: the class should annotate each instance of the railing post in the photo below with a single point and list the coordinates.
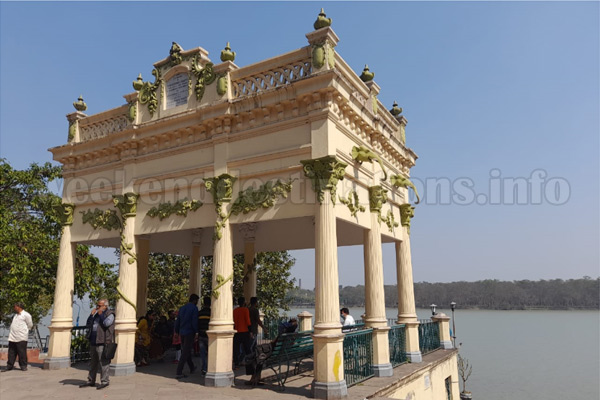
(305, 321)
(443, 322)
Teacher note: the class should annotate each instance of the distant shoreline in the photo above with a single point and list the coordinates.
(469, 308)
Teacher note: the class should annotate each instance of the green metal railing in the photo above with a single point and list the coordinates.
(358, 356)
(429, 336)
(80, 344)
(397, 340)
(272, 325)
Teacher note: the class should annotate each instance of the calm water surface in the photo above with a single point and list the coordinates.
(531, 355)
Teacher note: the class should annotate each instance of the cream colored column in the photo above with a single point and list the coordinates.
(444, 327)
(220, 333)
(143, 257)
(196, 272)
(249, 233)
(374, 290)
(329, 382)
(406, 298)
(59, 348)
(125, 321)
(328, 338)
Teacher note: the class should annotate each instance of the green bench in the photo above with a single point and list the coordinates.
(289, 349)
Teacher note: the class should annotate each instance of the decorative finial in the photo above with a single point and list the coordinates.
(227, 54)
(138, 84)
(366, 75)
(395, 111)
(175, 53)
(322, 20)
(80, 104)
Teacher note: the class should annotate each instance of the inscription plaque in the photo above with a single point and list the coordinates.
(177, 90)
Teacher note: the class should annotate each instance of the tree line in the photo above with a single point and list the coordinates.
(491, 294)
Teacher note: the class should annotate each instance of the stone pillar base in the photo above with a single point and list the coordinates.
(329, 390)
(219, 379)
(57, 363)
(121, 369)
(383, 370)
(414, 356)
(446, 345)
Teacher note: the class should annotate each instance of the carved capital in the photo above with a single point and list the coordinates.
(126, 204)
(377, 197)
(325, 173)
(221, 188)
(64, 212)
(406, 213)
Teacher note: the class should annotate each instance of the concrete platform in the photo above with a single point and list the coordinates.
(157, 381)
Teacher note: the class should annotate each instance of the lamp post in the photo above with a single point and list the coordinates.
(78, 310)
(433, 307)
(453, 307)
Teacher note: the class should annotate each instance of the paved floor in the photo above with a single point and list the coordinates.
(157, 381)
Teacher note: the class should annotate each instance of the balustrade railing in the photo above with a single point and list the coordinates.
(429, 336)
(270, 79)
(80, 344)
(104, 124)
(358, 356)
(397, 341)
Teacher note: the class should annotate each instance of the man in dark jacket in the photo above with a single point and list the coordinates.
(186, 326)
(101, 331)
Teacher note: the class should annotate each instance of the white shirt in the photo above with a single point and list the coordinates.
(349, 320)
(20, 326)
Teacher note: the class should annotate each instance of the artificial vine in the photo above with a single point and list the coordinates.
(148, 92)
(352, 203)
(204, 76)
(221, 280)
(109, 219)
(389, 220)
(181, 207)
(263, 197)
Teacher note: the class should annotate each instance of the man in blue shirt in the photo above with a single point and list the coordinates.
(186, 326)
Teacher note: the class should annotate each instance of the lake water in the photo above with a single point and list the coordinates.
(526, 355)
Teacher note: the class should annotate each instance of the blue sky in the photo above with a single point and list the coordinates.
(492, 91)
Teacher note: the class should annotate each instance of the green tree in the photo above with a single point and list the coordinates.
(273, 279)
(29, 239)
(168, 282)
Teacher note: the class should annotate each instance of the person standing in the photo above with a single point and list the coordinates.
(255, 321)
(241, 323)
(346, 317)
(101, 331)
(203, 321)
(17, 338)
(186, 326)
